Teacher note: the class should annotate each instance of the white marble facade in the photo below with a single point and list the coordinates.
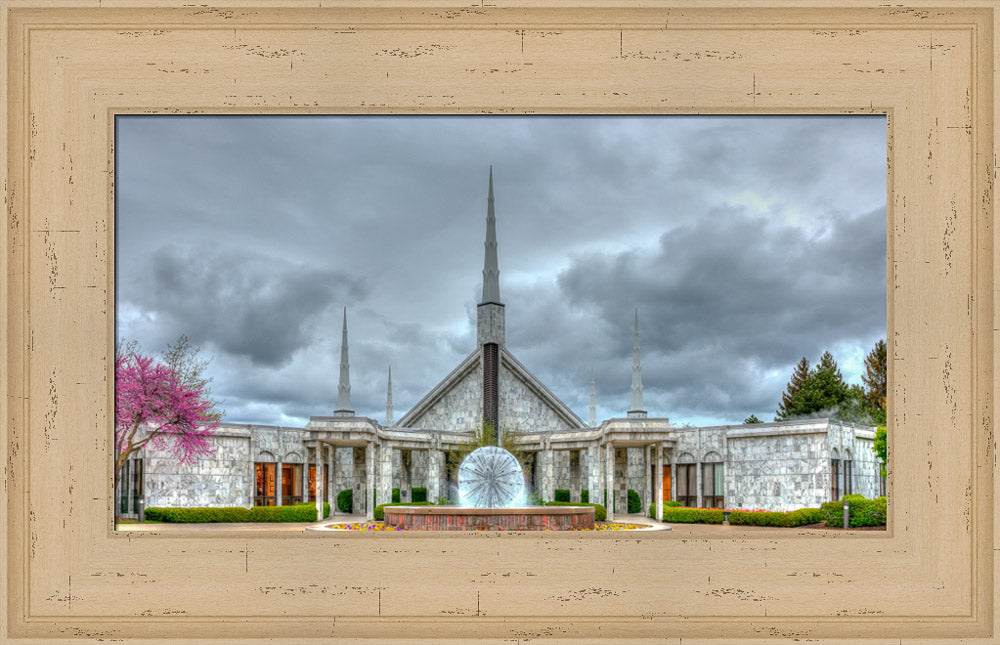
(774, 466)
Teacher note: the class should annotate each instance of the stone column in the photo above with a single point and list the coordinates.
(594, 485)
(319, 480)
(370, 480)
(659, 482)
(304, 484)
(647, 494)
(278, 482)
(609, 473)
(384, 474)
(433, 475)
(331, 493)
(549, 474)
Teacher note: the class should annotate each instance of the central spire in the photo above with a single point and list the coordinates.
(491, 269)
(490, 322)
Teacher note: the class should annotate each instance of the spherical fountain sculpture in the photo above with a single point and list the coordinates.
(490, 477)
(491, 494)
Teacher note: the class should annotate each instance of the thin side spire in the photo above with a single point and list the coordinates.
(636, 409)
(388, 400)
(593, 400)
(344, 388)
(491, 269)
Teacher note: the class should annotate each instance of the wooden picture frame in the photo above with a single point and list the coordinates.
(70, 66)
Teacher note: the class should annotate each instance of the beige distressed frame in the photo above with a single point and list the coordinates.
(68, 67)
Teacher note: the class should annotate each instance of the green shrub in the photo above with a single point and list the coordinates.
(671, 502)
(444, 501)
(862, 512)
(534, 499)
(634, 502)
(776, 518)
(379, 513)
(584, 496)
(395, 495)
(562, 495)
(600, 513)
(345, 501)
(419, 494)
(685, 515)
(292, 513)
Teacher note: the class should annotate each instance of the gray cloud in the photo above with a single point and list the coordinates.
(242, 304)
(745, 242)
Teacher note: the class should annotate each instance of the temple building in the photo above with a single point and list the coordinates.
(775, 466)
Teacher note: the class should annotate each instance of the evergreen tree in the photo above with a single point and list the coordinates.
(799, 376)
(875, 377)
(824, 389)
(752, 419)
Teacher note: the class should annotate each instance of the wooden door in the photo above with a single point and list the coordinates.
(666, 483)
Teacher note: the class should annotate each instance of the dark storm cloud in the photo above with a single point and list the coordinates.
(253, 306)
(721, 299)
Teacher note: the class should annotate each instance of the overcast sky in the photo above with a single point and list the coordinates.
(746, 243)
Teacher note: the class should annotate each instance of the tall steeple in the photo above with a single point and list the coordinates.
(490, 320)
(388, 400)
(593, 401)
(636, 411)
(491, 268)
(344, 388)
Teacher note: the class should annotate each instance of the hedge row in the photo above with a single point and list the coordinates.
(862, 511)
(673, 512)
(777, 518)
(600, 513)
(292, 513)
(380, 513)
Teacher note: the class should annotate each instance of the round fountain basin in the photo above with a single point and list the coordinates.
(458, 518)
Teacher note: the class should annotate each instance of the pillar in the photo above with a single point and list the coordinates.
(594, 485)
(609, 476)
(331, 493)
(305, 475)
(433, 475)
(370, 480)
(383, 475)
(647, 495)
(549, 474)
(319, 480)
(278, 482)
(659, 482)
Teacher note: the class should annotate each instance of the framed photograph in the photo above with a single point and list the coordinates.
(72, 70)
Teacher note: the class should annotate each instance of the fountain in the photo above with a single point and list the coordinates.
(492, 496)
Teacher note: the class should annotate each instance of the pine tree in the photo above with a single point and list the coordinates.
(825, 389)
(752, 419)
(875, 376)
(799, 376)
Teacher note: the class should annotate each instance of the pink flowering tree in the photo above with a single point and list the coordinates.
(154, 406)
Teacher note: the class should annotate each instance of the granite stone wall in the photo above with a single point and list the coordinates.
(778, 473)
(221, 479)
(523, 410)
